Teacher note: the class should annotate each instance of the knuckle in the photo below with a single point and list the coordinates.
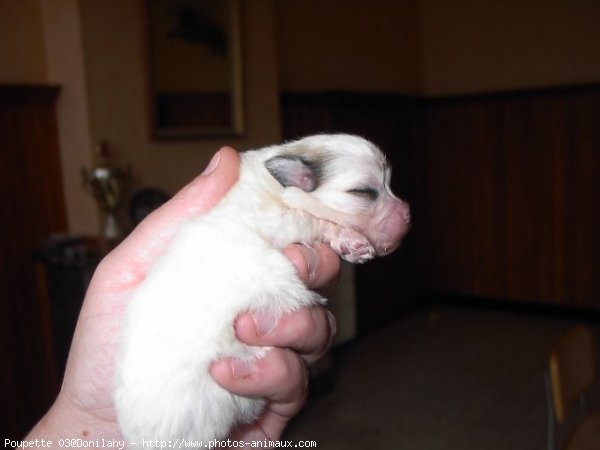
(304, 323)
(289, 373)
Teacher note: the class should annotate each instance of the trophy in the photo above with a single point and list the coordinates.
(106, 184)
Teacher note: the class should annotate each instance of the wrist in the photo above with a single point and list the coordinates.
(64, 420)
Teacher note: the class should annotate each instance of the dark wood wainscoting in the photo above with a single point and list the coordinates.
(509, 190)
(386, 287)
(504, 189)
(31, 207)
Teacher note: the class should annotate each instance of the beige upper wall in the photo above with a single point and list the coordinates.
(478, 46)
(351, 45)
(433, 46)
(64, 49)
(436, 47)
(22, 48)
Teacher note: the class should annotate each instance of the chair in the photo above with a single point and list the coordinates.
(571, 374)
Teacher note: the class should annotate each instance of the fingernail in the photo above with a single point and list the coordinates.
(241, 368)
(264, 322)
(213, 164)
(312, 260)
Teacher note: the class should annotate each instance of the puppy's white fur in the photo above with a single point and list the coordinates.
(331, 188)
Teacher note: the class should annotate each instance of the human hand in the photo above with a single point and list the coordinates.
(298, 339)
(84, 406)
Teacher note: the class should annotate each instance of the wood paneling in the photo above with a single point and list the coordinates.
(504, 191)
(510, 196)
(31, 207)
(468, 179)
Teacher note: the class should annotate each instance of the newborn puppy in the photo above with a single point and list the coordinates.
(329, 188)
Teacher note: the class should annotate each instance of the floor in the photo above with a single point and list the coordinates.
(443, 378)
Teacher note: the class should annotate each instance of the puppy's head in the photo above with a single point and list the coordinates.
(342, 179)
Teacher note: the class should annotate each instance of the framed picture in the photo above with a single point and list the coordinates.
(195, 68)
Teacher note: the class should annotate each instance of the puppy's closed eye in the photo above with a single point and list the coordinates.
(368, 193)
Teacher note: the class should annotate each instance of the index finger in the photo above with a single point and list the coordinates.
(308, 331)
(317, 266)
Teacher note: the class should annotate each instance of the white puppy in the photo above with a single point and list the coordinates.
(330, 188)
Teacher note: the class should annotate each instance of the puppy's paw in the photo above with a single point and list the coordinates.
(352, 246)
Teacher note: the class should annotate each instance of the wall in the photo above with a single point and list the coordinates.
(348, 45)
(97, 52)
(116, 66)
(508, 196)
(22, 51)
(481, 46)
(436, 47)
(65, 65)
(40, 45)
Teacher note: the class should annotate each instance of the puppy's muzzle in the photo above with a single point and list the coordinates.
(392, 227)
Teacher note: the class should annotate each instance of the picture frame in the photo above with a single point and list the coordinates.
(195, 68)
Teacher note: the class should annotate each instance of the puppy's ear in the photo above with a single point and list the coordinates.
(293, 170)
